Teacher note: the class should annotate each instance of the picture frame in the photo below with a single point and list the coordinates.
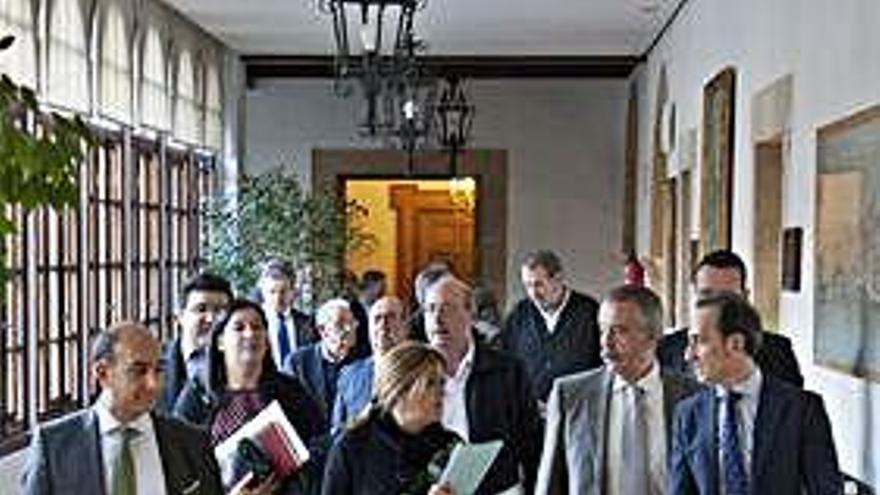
(716, 169)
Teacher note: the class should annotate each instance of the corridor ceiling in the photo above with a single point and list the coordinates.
(451, 27)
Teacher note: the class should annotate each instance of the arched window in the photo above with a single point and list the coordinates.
(20, 61)
(67, 83)
(213, 109)
(186, 100)
(115, 69)
(154, 89)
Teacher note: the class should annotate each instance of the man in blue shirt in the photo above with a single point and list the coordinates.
(355, 385)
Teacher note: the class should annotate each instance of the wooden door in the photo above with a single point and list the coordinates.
(431, 227)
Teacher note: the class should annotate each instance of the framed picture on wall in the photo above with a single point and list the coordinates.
(716, 176)
(847, 255)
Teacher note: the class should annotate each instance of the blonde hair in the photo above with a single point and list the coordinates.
(401, 370)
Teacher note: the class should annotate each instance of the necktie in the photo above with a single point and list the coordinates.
(123, 480)
(732, 461)
(283, 340)
(635, 476)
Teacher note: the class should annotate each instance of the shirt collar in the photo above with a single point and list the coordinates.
(556, 312)
(108, 423)
(748, 388)
(648, 383)
(465, 366)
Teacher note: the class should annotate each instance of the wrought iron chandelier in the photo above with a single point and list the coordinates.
(401, 102)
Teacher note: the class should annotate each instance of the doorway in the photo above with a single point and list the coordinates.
(415, 222)
(333, 168)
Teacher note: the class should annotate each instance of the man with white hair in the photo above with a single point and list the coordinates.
(317, 365)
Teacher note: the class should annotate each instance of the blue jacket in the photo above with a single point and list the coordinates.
(793, 447)
(354, 388)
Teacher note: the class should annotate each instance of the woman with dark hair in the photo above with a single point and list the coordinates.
(388, 450)
(242, 380)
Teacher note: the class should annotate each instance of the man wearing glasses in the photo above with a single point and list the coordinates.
(317, 365)
(203, 299)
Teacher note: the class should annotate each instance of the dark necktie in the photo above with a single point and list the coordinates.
(123, 480)
(634, 468)
(283, 339)
(733, 463)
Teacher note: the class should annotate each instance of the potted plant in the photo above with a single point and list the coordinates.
(270, 215)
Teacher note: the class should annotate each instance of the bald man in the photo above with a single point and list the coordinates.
(120, 447)
(387, 329)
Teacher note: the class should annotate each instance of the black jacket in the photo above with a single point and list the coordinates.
(500, 406)
(774, 357)
(198, 405)
(377, 458)
(573, 346)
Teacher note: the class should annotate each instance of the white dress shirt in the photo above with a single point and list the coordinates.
(551, 318)
(746, 411)
(656, 424)
(454, 397)
(144, 450)
(274, 325)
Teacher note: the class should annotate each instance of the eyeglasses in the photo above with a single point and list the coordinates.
(343, 331)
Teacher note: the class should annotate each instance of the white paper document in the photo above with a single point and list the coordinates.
(468, 464)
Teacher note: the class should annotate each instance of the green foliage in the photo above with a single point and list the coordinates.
(271, 216)
(36, 168)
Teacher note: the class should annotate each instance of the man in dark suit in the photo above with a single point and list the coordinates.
(203, 299)
(117, 446)
(486, 394)
(622, 410)
(289, 329)
(318, 365)
(553, 331)
(750, 432)
(723, 270)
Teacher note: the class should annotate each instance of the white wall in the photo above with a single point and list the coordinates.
(830, 48)
(565, 142)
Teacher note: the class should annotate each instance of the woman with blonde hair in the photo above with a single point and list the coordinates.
(388, 450)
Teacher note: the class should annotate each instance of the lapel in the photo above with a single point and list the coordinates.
(771, 403)
(599, 427)
(669, 399)
(92, 471)
(317, 372)
(472, 390)
(706, 439)
(179, 475)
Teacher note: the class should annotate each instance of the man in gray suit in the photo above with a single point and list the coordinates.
(608, 429)
(117, 447)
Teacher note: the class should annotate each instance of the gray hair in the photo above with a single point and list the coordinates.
(650, 307)
(329, 309)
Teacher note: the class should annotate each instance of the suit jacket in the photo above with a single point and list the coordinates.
(793, 449)
(500, 406)
(307, 364)
(573, 460)
(353, 392)
(174, 377)
(65, 458)
(775, 356)
(572, 347)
